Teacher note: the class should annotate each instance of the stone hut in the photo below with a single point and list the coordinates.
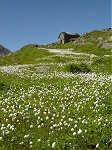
(65, 37)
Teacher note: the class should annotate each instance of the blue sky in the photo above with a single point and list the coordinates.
(40, 21)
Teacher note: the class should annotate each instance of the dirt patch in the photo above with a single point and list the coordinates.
(42, 68)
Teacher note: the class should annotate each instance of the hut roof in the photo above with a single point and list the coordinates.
(68, 33)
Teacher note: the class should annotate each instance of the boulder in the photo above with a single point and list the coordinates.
(106, 45)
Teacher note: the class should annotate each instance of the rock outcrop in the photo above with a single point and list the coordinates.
(99, 38)
(4, 51)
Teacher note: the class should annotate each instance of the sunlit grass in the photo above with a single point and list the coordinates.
(43, 106)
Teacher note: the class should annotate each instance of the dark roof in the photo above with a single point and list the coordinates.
(68, 33)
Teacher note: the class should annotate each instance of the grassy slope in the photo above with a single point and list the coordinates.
(57, 105)
(25, 55)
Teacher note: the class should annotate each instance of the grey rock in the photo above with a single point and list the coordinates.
(110, 38)
(42, 68)
(84, 34)
(107, 29)
(106, 45)
(4, 51)
(100, 39)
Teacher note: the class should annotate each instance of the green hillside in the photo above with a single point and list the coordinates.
(25, 55)
(57, 96)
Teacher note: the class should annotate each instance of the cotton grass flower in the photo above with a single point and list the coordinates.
(26, 136)
(54, 145)
(31, 126)
(0, 138)
(97, 145)
(31, 143)
(21, 143)
(7, 132)
(74, 133)
(72, 129)
(80, 131)
(39, 140)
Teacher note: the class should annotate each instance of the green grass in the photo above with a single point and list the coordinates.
(56, 93)
(25, 55)
(61, 46)
(91, 49)
(56, 109)
(103, 64)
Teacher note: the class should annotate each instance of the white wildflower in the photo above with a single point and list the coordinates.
(72, 129)
(39, 140)
(74, 133)
(31, 126)
(80, 131)
(53, 144)
(31, 143)
(97, 145)
(0, 138)
(26, 136)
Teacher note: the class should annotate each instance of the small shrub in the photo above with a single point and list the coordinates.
(77, 68)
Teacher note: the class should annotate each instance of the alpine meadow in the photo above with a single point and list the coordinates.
(58, 96)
